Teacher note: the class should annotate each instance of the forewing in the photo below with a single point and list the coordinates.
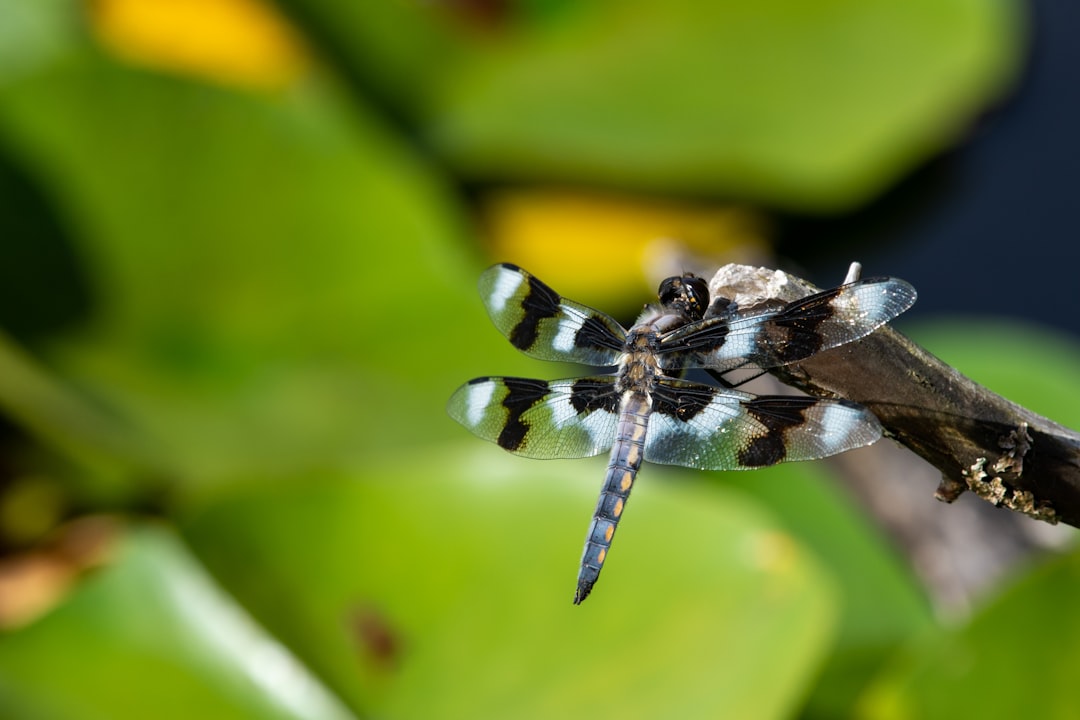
(711, 428)
(540, 323)
(792, 333)
(539, 418)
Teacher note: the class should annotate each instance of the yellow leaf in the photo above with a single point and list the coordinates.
(596, 246)
(237, 42)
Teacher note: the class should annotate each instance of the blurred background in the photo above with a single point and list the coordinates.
(239, 244)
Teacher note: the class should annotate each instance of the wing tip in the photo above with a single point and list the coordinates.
(905, 293)
(902, 292)
(507, 266)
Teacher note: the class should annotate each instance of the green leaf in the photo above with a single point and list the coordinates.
(806, 105)
(881, 604)
(1016, 658)
(150, 635)
(255, 259)
(33, 34)
(814, 106)
(397, 49)
(442, 587)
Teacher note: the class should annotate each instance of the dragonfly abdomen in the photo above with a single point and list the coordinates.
(623, 465)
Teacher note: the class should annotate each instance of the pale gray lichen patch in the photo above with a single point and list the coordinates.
(1016, 445)
(748, 286)
(990, 486)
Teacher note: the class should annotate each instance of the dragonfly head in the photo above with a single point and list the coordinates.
(687, 295)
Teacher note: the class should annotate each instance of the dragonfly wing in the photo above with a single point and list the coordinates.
(540, 418)
(541, 324)
(713, 428)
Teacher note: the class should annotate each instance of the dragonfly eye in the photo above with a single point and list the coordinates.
(687, 294)
(698, 294)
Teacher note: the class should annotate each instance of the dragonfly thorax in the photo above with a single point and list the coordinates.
(639, 365)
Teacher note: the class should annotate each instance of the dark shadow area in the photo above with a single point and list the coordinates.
(42, 286)
(990, 228)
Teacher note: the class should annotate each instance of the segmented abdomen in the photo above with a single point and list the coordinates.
(626, 456)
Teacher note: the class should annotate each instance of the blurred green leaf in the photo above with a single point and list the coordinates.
(464, 565)
(33, 33)
(806, 105)
(150, 635)
(881, 604)
(112, 454)
(256, 260)
(1016, 658)
(396, 50)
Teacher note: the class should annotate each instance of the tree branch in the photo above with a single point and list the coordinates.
(978, 440)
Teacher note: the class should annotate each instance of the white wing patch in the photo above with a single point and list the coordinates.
(598, 424)
(844, 427)
(478, 397)
(738, 345)
(506, 284)
(564, 338)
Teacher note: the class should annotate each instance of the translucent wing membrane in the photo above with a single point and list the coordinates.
(793, 333)
(539, 418)
(709, 428)
(540, 323)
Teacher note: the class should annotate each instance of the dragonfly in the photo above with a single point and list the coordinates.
(646, 409)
